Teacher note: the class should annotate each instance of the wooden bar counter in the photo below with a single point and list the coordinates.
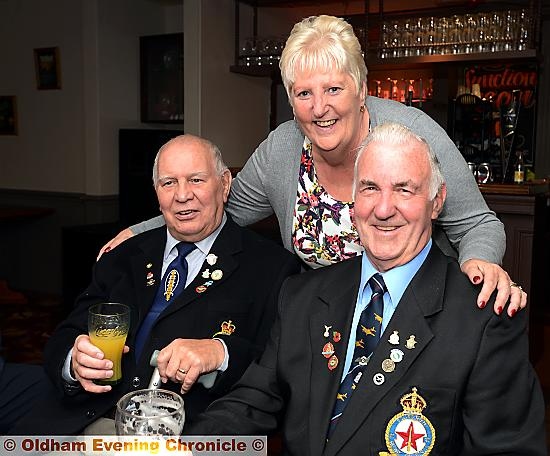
(524, 211)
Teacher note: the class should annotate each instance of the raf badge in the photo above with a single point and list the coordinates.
(410, 432)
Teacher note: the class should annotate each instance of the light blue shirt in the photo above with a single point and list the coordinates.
(196, 258)
(396, 279)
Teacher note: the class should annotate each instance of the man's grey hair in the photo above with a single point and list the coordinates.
(219, 164)
(399, 135)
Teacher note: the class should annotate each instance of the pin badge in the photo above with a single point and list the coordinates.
(149, 275)
(388, 365)
(227, 328)
(216, 275)
(149, 265)
(378, 379)
(364, 360)
(411, 342)
(328, 350)
(396, 355)
(327, 329)
(332, 362)
(151, 282)
(394, 338)
(200, 289)
(211, 259)
(336, 336)
(206, 274)
(358, 377)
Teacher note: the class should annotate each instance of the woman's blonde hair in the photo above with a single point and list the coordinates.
(322, 43)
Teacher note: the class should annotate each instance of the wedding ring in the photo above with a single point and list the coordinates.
(514, 284)
(183, 371)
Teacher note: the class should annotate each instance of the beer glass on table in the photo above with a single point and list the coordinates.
(150, 412)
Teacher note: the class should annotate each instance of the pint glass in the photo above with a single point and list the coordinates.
(108, 325)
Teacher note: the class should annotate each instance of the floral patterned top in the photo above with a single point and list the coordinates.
(322, 230)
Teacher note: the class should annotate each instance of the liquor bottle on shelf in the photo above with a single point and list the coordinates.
(519, 169)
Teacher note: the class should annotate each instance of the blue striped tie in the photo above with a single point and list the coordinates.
(367, 335)
(173, 283)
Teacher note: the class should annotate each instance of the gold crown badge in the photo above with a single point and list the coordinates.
(413, 402)
(227, 328)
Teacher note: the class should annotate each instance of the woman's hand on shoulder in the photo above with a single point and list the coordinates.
(118, 239)
(494, 277)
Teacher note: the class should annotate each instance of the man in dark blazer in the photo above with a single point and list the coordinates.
(217, 325)
(444, 378)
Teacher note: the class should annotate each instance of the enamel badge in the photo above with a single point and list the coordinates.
(211, 259)
(216, 275)
(332, 362)
(150, 276)
(410, 432)
(227, 328)
(328, 350)
(171, 283)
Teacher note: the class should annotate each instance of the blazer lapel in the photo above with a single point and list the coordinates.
(423, 298)
(329, 330)
(146, 270)
(226, 245)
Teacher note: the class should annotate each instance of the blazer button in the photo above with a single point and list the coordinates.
(90, 413)
(136, 381)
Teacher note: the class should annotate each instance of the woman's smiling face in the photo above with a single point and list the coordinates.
(327, 107)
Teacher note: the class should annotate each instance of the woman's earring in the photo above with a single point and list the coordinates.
(362, 108)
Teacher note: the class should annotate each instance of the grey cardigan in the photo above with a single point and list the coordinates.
(269, 181)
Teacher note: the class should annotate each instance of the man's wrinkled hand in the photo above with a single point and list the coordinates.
(184, 360)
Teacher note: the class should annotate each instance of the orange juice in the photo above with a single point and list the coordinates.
(111, 343)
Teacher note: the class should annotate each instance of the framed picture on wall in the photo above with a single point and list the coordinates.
(48, 68)
(8, 115)
(161, 81)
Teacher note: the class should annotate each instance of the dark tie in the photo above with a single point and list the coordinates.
(173, 283)
(367, 336)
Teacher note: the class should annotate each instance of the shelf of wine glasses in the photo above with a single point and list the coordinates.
(465, 57)
(270, 69)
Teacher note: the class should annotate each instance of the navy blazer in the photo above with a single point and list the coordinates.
(470, 366)
(253, 271)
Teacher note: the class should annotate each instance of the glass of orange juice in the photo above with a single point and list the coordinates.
(108, 324)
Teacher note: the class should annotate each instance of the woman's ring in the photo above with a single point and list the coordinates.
(183, 371)
(514, 284)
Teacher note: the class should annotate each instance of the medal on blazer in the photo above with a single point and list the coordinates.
(150, 276)
(211, 259)
(328, 350)
(410, 432)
